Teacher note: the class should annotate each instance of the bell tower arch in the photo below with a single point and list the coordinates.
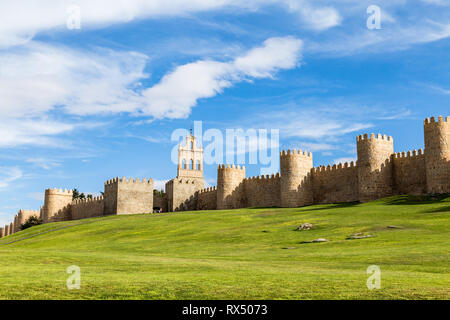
(190, 159)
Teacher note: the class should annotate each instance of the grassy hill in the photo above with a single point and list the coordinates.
(238, 254)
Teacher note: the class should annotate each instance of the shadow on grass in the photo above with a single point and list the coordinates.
(310, 208)
(438, 210)
(415, 199)
(332, 206)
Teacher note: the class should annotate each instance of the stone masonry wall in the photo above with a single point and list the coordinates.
(230, 187)
(437, 154)
(135, 196)
(87, 208)
(334, 184)
(128, 196)
(374, 165)
(295, 183)
(409, 172)
(207, 199)
(56, 204)
(181, 193)
(110, 196)
(378, 173)
(263, 191)
(22, 216)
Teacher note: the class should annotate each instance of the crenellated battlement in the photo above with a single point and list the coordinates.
(437, 154)
(229, 186)
(409, 154)
(230, 167)
(297, 153)
(433, 120)
(56, 191)
(29, 213)
(127, 180)
(334, 167)
(264, 178)
(379, 137)
(88, 200)
(378, 172)
(210, 189)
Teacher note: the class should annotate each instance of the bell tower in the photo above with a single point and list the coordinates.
(190, 159)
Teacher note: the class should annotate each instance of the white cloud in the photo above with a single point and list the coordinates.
(50, 76)
(31, 17)
(315, 124)
(437, 2)
(8, 175)
(275, 54)
(159, 184)
(91, 83)
(439, 89)
(314, 146)
(105, 81)
(400, 35)
(14, 132)
(318, 18)
(37, 78)
(43, 163)
(180, 90)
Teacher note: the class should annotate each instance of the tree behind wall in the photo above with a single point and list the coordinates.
(32, 221)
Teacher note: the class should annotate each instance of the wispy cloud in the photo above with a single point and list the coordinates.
(403, 25)
(44, 163)
(296, 121)
(30, 18)
(207, 78)
(315, 17)
(313, 146)
(8, 175)
(89, 83)
(439, 89)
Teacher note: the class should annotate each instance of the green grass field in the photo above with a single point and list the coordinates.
(238, 254)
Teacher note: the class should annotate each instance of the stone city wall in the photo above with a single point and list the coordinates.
(334, 184)
(409, 172)
(207, 199)
(263, 191)
(87, 208)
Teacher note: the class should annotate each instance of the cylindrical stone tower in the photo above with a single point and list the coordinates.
(374, 166)
(6, 232)
(437, 154)
(11, 228)
(55, 204)
(295, 184)
(16, 223)
(2, 232)
(230, 187)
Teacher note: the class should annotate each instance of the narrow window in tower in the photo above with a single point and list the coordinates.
(191, 165)
(183, 165)
(192, 145)
(198, 165)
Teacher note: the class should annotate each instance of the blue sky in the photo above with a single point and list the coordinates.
(80, 106)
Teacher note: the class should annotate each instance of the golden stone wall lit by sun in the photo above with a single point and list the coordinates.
(378, 172)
